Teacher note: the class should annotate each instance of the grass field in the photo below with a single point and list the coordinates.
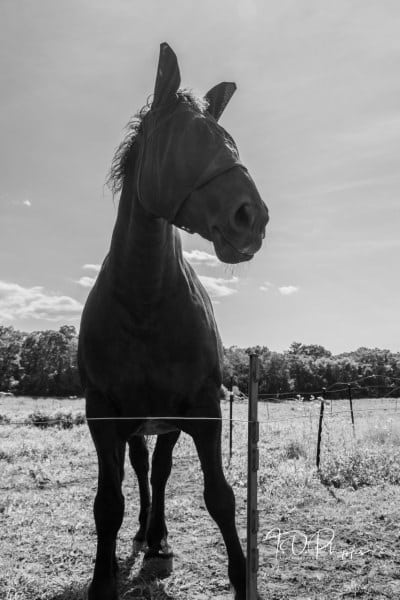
(330, 535)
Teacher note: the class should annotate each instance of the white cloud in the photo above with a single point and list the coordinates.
(288, 290)
(16, 202)
(199, 257)
(218, 287)
(18, 302)
(266, 286)
(92, 267)
(86, 282)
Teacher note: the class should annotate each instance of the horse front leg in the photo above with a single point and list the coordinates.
(139, 457)
(108, 508)
(219, 499)
(158, 558)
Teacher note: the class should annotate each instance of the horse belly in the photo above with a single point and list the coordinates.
(156, 427)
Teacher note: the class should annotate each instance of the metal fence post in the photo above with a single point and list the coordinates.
(321, 417)
(351, 409)
(230, 424)
(252, 468)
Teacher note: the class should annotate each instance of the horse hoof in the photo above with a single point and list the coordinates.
(158, 567)
(159, 562)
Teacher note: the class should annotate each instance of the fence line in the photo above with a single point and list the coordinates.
(323, 392)
(35, 423)
(223, 419)
(294, 395)
(363, 410)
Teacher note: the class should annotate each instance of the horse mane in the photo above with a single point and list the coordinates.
(120, 162)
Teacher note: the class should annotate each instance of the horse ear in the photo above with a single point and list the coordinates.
(168, 76)
(218, 97)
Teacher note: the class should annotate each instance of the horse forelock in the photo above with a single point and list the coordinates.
(120, 162)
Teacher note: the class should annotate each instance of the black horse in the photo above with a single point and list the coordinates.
(149, 346)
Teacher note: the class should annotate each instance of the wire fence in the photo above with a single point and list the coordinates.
(185, 451)
(346, 409)
(66, 424)
(387, 391)
(68, 420)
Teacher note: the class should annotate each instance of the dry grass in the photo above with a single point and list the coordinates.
(48, 481)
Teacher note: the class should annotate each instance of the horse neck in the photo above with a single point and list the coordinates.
(145, 253)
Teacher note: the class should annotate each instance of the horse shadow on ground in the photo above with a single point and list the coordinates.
(132, 584)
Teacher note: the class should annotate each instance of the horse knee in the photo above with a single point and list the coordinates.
(160, 470)
(108, 511)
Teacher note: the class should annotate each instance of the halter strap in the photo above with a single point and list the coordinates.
(199, 185)
(202, 179)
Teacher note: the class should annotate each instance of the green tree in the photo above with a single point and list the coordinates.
(10, 348)
(235, 368)
(48, 362)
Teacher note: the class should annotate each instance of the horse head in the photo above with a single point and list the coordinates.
(189, 170)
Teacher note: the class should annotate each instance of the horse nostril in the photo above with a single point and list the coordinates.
(243, 217)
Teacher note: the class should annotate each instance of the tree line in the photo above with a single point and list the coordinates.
(44, 363)
(41, 363)
(309, 370)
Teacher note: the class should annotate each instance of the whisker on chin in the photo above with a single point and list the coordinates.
(237, 269)
(229, 269)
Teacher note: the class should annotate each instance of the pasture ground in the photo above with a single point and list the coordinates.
(338, 540)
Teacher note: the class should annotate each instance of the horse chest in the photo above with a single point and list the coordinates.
(169, 346)
(166, 366)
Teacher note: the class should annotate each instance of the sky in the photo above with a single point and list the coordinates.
(316, 117)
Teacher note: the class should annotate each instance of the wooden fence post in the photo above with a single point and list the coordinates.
(252, 469)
